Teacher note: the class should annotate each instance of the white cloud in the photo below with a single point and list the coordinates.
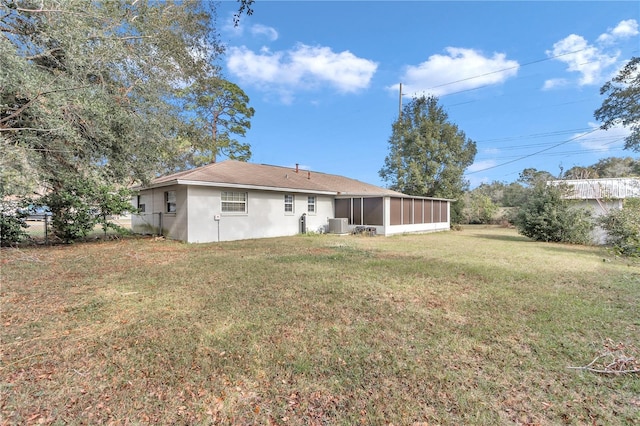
(249, 66)
(554, 82)
(263, 30)
(460, 69)
(579, 56)
(344, 70)
(476, 181)
(301, 68)
(232, 28)
(602, 140)
(624, 29)
(592, 61)
(481, 165)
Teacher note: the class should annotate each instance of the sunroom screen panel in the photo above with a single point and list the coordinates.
(395, 211)
(373, 211)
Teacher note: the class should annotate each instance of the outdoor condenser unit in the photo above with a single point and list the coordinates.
(339, 225)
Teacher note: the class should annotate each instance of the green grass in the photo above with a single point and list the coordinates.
(470, 327)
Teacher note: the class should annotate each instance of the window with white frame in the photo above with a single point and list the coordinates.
(311, 204)
(170, 201)
(234, 202)
(140, 204)
(288, 203)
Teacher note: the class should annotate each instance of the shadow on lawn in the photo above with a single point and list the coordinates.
(548, 246)
(514, 238)
(572, 248)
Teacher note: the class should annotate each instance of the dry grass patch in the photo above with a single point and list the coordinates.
(471, 327)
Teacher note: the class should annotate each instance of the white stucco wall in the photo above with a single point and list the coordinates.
(174, 225)
(198, 206)
(199, 217)
(204, 203)
(265, 216)
(144, 222)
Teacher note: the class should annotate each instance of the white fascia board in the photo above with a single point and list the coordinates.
(342, 195)
(156, 185)
(418, 197)
(369, 195)
(251, 187)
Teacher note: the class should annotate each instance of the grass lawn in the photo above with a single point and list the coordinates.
(472, 327)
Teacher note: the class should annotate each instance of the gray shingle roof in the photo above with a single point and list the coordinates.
(249, 175)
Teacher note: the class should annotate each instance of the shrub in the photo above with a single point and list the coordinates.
(480, 209)
(547, 216)
(109, 203)
(79, 205)
(73, 215)
(623, 228)
(12, 223)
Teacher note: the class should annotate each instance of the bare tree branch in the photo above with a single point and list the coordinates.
(620, 362)
(43, 54)
(26, 105)
(17, 129)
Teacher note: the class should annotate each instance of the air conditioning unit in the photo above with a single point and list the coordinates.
(339, 226)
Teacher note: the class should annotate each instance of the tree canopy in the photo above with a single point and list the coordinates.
(93, 89)
(92, 94)
(502, 194)
(87, 87)
(427, 153)
(221, 111)
(610, 167)
(622, 105)
(531, 177)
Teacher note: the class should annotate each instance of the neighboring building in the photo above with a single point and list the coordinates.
(601, 196)
(234, 200)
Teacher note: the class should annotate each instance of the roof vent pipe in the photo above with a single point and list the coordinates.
(297, 167)
(308, 174)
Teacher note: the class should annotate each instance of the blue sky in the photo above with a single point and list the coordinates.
(521, 79)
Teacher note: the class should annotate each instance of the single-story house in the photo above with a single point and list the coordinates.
(234, 200)
(600, 196)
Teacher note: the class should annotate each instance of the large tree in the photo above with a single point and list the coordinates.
(90, 92)
(221, 111)
(428, 154)
(610, 167)
(614, 167)
(87, 87)
(622, 105)
(531, 177)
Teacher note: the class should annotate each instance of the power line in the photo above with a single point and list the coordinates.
(503, 70)
(539, 145)
(536, 135)
(534, 153)
(573, 152)
(540, 135)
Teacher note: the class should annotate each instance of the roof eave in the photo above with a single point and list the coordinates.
(396, 195)
(236, 186)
